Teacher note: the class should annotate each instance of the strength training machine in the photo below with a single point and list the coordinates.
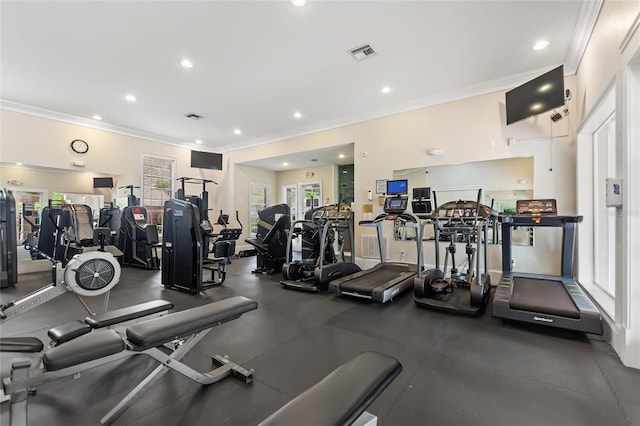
(554, 301)
(8, 240)
(462, 288)
(138, 239)
(188, 237)
(271, 238)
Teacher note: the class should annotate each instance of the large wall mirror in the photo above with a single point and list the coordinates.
(503, 182)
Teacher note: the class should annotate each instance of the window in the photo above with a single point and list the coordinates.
(157, 185)
(598, 158)
(604, 218)
(259, 198)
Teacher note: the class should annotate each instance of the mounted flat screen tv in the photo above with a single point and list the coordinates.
(103, 182)
(206, 160)
(397, 187)
(536, 96)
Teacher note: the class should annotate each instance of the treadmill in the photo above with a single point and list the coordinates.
(554, 301)
(387, 279)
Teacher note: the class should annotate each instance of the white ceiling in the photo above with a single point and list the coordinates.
(257, 62)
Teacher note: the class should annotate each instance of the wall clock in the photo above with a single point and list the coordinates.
(79, 146)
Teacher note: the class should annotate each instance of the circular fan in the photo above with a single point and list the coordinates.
(92, 273)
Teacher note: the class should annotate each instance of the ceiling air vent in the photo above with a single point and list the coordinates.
(193, 116)
(362, 52)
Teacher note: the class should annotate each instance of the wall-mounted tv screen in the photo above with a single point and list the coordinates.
(397, 187)
(421, 193)
(206, 160)
(103, 182)
(536, 96)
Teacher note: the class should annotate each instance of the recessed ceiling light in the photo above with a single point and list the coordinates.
(297, 114)
(186, 63)
(299, 3)
(97, 117)
(18, 164)
(540, 45)
(341, 156)
(385, 89)
(237, 131)
(198, 141)
(130, 98)
(285, 164)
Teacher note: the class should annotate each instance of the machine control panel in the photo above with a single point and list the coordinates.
(396, 205)
(463, 210)
(536, 207)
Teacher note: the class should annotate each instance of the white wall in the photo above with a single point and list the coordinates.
(613, 47)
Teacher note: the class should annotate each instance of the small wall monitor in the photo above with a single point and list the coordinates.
(103, 182)
(397, 187)
(536, 96)
(421, 193)
(206, 160)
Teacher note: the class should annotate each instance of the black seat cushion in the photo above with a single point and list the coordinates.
(157, 331)
(21, 344)
(342, 396)
(68, 331)
(83, 349)
(128, 313)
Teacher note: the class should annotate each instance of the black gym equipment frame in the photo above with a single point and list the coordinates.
(462, 292)
(8, 240)
(186, 239)
(554, 301)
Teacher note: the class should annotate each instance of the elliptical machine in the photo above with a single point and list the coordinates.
(188, 237)
(325, 226)
(463, 288)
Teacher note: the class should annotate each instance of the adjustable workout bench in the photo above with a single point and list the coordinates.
(342, 397)
(182, 329)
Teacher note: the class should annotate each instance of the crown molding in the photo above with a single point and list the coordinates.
(587, 18)
(85, 122)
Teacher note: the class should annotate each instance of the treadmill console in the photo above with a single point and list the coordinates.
(536, 207)
(396, 205)
(464, 210)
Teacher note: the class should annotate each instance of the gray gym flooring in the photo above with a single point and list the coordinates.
(457, 370)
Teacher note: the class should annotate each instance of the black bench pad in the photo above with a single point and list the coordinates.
(21, 344)
(85, 348)
(68, 331)
(342, 396)
(157, 331)
(127, 314)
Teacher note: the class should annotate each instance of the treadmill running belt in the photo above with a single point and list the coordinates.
(543, 296)
(376, 278)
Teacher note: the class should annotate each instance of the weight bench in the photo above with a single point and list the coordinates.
(91, 350)
(118, 319)
(342, 397)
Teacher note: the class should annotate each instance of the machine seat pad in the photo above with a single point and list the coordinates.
(85, 348)
(129, 313)
(68, 331)
(157, 331)
(21, 344)
(348, 391)
(258, 243)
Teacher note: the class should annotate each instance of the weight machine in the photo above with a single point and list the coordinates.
(189, 237)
